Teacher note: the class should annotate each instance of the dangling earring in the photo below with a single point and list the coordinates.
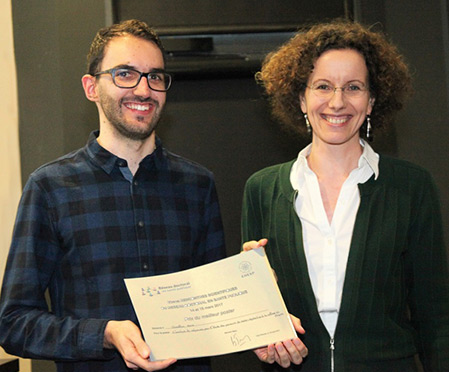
(309, 127)
(369, 131)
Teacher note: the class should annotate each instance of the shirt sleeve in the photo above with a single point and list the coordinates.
(28, 328)
(429, 280)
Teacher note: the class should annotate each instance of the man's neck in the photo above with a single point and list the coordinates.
(133, 151)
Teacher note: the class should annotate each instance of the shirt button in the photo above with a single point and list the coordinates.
(140, 223)
(145, 266)
(135, 183)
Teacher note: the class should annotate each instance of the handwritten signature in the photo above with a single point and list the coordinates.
(238, 340)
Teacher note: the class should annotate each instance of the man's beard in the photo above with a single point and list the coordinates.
(127, 130)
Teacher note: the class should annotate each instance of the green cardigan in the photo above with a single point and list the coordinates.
(395, 300)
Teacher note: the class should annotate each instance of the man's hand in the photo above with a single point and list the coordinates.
(286, 352)
(126, 337)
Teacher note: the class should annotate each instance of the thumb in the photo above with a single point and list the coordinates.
(141, 347)
(262, 242)
(297, 324)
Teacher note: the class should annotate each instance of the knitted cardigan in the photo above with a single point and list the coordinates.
(395, 301)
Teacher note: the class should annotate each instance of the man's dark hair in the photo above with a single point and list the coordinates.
(131, 27)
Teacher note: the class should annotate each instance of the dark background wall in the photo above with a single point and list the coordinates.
(217, 116)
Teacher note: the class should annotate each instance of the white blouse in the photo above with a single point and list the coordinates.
(327, 245)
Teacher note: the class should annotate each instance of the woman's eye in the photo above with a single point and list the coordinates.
(353, 87)
(323, 87)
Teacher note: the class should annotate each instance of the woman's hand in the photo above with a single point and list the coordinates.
(257, 244)
(254, 244)
(286, 352)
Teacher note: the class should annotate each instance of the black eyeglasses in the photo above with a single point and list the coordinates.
(129, 78)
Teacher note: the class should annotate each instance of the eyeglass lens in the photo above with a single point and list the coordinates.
(350, 90)
(127, 78)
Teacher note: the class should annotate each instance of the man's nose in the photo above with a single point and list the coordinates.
(143, 89)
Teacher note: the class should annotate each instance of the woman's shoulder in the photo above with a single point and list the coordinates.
(271, 172)
(390, 163)
(402, 171)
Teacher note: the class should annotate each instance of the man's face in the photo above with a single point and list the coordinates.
(131, 113)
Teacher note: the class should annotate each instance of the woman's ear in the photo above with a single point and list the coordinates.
(302, 101)
(90, 87)
(370, 105)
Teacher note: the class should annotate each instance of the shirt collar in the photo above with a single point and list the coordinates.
(369, 157)
(108, 161)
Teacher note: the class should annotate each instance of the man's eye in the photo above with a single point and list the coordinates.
(124, 74)
(155, 77)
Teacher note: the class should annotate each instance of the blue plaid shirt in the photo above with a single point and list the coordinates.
(81, 228)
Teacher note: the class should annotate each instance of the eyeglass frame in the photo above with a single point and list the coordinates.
(113, 70)
(343, 88)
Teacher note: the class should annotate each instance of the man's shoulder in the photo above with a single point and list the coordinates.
(182, 165)
(60, 167)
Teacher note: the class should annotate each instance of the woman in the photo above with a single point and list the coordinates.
(354, 238)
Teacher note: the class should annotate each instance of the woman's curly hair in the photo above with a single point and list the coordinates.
(285, 72)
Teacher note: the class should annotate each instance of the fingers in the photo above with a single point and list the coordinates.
(151, 366)
(156, 366)
(297, 324)
(253, 244)
(283, 353)
(257, 244)
(290, 351)
(126, 337)
(283, 357)
(266, 354)
(301, 347)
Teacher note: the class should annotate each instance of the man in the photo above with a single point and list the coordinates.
(120, 207)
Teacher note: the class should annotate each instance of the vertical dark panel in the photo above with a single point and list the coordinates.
(423, 127)
(225, 125)
(38, 78)
(421, 130)
(51, 40)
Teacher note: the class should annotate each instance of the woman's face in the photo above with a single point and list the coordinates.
(336, 115)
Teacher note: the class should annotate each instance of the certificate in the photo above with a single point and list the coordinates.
(223, 307)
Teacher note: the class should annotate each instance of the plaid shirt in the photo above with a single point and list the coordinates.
(82, 228)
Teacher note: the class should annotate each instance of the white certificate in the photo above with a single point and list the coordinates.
(223, 307)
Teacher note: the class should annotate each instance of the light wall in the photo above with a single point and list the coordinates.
(10, 183)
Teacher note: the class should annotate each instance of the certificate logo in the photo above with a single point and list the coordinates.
(245, 267)
(148, 291)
